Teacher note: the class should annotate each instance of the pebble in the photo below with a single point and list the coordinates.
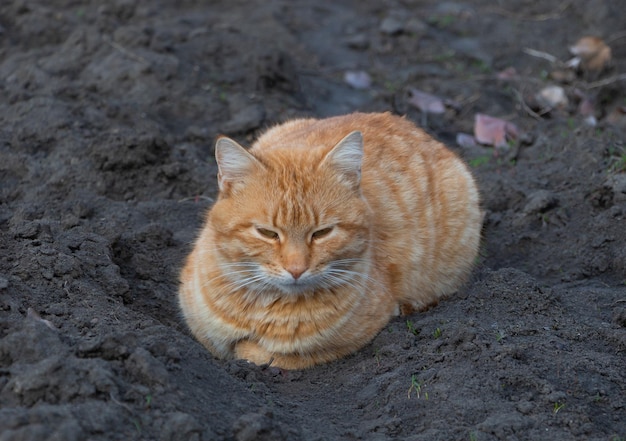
(618, 184)
(358, 41)
(391, 26)
(552, 96)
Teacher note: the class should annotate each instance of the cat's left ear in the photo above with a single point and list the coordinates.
(347, 156)
(233, 161)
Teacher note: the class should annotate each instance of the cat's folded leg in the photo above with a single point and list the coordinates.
(253, 352)
(408, 308)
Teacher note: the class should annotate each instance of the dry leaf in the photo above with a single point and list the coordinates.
(586, 107)
(493, 131)
(426, 102)
(358, 79)
(507, 74)
(591, 54)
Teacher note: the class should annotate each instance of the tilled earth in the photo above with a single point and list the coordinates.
(108, 114)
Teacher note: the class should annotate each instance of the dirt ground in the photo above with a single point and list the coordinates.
(108, 114)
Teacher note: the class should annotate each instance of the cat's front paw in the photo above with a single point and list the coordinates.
(253, 353)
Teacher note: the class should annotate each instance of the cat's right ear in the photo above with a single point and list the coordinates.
(346, 157)
(233, 161)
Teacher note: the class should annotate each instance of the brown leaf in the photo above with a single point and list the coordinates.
(426, 102)
(493, 131)
(591, 54)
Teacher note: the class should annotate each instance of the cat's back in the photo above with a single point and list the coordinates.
(424, 201)
(387, 138)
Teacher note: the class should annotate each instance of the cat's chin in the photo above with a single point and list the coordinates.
(296, 289)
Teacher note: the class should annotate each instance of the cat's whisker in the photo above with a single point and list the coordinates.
(239, 265)
(362, 278)
(335, 280)
(247, 282)
(228, 276)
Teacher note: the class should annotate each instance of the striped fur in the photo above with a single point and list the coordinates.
(322, 231)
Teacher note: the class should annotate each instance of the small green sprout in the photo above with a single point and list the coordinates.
(500, 335)
(477, 162)
(437, 333)
(377, 356)
(557, 406)
(411, 327)
(416, 385)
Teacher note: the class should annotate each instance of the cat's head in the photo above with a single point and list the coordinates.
(291, 220)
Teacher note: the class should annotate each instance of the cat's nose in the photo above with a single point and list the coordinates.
(296, 270)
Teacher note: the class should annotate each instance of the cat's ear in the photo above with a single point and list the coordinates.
(346, 157)
(233, 161)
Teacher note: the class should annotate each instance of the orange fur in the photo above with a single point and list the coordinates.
(321, 234)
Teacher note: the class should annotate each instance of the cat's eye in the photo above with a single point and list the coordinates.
(321, 233)
(268, 234)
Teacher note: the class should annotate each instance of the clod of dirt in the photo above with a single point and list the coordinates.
(617, 183)
(126, 151)
(146, 368)
(277, 70)
(540, 202)
(391, 26)
(258, 427)
(180, 426)
(358, 41)
(244, 119)
(619, 317)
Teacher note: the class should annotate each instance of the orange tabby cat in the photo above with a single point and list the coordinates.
(322, 231)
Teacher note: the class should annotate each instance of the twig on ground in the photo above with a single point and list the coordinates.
(540, 54)
(119, 403)
(527, 108)
(604, 82)
(615, 37)
(125, 51)
(539, 17)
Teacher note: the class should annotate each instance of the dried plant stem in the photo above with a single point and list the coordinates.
(606, 81)
(539, 17)
(126, 52)
(527, 108)
(539, 54)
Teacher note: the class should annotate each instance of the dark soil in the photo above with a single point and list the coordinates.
(108, 114)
